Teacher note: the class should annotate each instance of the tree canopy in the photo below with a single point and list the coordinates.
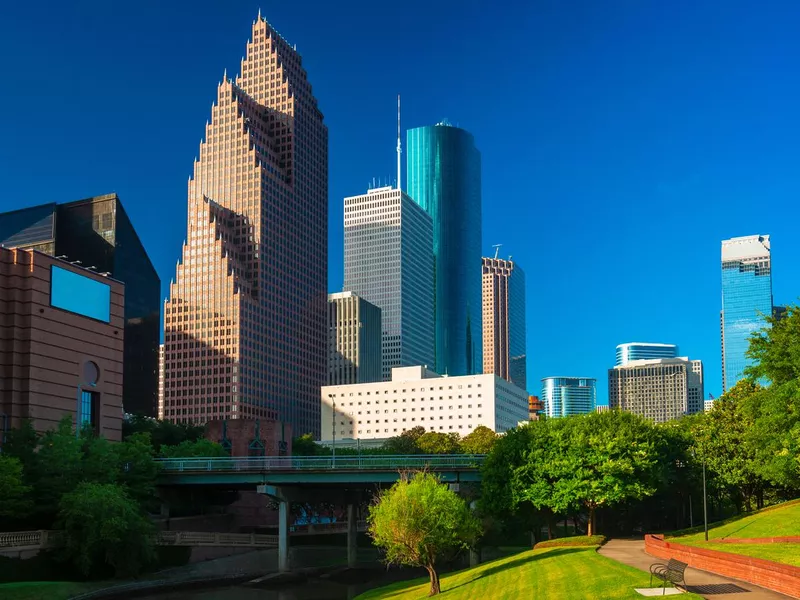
(418, 521)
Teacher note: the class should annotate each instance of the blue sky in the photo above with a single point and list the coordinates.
(621, 140)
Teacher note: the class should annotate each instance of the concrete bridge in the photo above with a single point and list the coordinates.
(340, 480)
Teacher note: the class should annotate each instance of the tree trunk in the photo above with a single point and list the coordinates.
(590, 525)
(435, 587)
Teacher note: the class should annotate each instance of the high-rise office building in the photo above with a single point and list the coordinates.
(388, 261)
(245, 322)
(97, 234)
(660, 389)
(504, 345)
(644, 351)
(746, 299)
(161, 381)
(444, 177)
(354, 340)
(565, 396)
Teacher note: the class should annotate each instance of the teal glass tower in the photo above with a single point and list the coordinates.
(444, 178)
(746, 300)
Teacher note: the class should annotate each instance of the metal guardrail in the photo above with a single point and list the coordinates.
(48, 539)
(327, 463)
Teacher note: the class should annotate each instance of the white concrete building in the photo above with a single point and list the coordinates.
(415, 397)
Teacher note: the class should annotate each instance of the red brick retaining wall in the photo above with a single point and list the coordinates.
(768, 574)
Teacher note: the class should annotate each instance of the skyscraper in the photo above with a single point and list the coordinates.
(504, 346)
(388, 261)
(97, 233)
(245, 322)
(644, 351)
(660, 389)
(746, 300)
(444, 178)
(354, 340)
(565, 396)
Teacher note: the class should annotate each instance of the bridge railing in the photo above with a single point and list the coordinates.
(324, 463)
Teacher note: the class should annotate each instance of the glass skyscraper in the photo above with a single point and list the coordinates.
(388, 261)
(746, 300)
(644, 351)
(565, 396)
(444, 178)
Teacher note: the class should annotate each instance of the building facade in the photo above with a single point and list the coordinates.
(418, 397)
(444, 178)
(61, 344)
(97, 233)
(644, 351)
(659, 389)
(161, 381)
(565, 396)
(504, 344)
(354, 340)
(388, 261)
(245, 321)
(746, 299)
(535, 408)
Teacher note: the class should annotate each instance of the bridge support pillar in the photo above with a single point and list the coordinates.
(352, 535)
(283, 536)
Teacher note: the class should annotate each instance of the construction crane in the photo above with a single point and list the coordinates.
(496, 250)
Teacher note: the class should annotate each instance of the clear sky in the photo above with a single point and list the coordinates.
(621, 140)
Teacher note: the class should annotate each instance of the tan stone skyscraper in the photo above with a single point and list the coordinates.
(245, 323)
(504, 346)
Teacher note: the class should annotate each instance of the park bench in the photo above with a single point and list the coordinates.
(672, 572)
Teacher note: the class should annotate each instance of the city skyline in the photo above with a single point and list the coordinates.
(569, 168)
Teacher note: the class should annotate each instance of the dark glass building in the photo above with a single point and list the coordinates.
(444, 177)
(98, 233)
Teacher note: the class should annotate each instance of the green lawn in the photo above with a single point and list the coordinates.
(778, 521)
(51, 590)
(553, 573)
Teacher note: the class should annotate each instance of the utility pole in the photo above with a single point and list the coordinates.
(333, 430)
(705, 506)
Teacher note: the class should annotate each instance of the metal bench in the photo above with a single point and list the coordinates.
(672, 572)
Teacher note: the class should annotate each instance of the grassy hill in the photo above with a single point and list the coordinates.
(782, 520)
(553, 573)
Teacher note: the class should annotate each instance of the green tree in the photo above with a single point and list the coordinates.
(305, 445)
(201, 448)
(775, 349)
(732, 453)
(15, 501)
(591, 461)
(433, 442)
(59, 469)
(105, 526)
(406, 442)
(162, 433)
(480, 441)
(419, 521)
(136, 469)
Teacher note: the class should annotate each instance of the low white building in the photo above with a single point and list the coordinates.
(418, 397)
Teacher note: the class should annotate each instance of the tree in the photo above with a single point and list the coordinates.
(305, 445)
(162, 433)
(722, 439)
(136, 469)
(105, 526)
(434, 442)
(406, 442)
(15, 502)
(480, 441)
(419, 521)
(201, 448)
(775, 349)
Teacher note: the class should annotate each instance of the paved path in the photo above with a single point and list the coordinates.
(703, 583)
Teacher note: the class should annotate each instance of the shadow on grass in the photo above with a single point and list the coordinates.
(513, 564)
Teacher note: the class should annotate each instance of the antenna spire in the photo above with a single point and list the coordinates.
(399, 145)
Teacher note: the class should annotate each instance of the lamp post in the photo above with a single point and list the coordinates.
(705, 506)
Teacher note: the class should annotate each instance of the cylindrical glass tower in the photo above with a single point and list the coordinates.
(444, 177)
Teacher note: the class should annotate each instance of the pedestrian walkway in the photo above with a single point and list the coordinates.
(702, 583)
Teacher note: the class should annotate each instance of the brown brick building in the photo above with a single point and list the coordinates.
(61, 343)
(251, 437)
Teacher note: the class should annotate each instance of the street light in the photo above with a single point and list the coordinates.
(705, 507)
(333, 430)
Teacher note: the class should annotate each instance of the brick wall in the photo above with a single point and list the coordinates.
(775, 576)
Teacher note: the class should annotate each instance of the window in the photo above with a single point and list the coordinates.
(90, 408)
